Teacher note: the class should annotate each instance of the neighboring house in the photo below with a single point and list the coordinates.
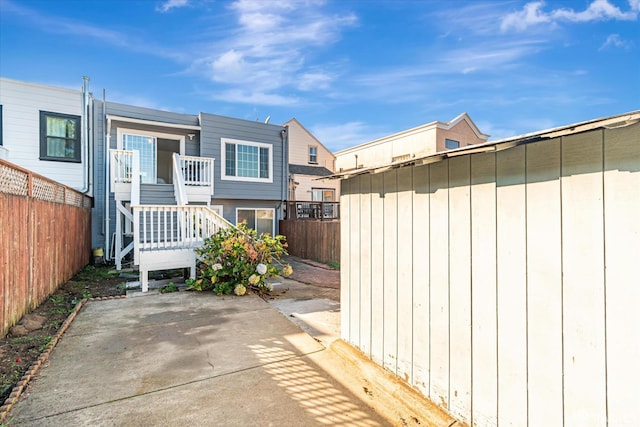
(309, 160)
(406, 145)
(501, 279)
(45, 129)
(161, 181)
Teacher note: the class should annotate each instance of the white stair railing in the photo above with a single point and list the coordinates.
(157, 228)
(179, 187)
(166, 237)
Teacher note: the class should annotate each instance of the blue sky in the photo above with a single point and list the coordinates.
(350, 71)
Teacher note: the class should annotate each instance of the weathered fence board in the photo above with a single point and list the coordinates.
(42, 242)
(315, 240)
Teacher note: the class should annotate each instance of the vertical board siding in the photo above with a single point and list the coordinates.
(353, 223)
(622, 237)
(390, 271)
(365, 265)
(420, 264)
(459, 279)
(405, 274)
(511, 255)
(583, 280)
(544, 275)
(346, 235)
(506, 313)
(377, 269)
(43, 244)
(315, 240)
(439, 284)
(483, 290)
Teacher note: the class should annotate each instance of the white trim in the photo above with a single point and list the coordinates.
(151, 122)
(223, 165)
(172, 136)
(273, 220)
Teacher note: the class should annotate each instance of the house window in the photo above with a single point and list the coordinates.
(313, 154)
(451, 143)
(59, 137)
(322, 195)
(260, 220)
(246, 161)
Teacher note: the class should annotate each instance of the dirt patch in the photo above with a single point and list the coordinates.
(24, 343)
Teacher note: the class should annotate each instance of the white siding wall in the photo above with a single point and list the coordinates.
(21, 103)
(481, 280)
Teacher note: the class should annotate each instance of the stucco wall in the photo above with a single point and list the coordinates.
(503, 285)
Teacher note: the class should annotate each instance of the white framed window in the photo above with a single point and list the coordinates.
(313, 154)
(451, 143)
(323, 194)
(259, 219)
(246, 161)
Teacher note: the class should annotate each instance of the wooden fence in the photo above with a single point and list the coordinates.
(315, 240)
(45, 238)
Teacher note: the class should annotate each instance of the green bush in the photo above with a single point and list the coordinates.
(236, 259)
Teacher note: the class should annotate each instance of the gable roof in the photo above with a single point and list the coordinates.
(620, 120)
(294, 120)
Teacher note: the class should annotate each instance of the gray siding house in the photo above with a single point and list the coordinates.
(161, 182)
(218, 170)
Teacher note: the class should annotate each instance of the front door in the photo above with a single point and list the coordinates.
(147, 146)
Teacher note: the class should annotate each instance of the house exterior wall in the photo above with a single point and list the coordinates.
(101, 190)
(21, 105)
(299, 142)
(420, 141)
(215, 128)
(481, 279)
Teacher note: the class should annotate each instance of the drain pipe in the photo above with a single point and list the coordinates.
(107, 145)
(285, 171)
(86, 115)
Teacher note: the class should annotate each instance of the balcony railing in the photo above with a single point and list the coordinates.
(320, 211)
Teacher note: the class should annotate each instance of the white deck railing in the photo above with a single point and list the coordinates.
(197, 171)
(173, 227)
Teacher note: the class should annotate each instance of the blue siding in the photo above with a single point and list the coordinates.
(214, 128)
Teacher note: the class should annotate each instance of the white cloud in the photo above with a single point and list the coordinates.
(270, 48)
(532, 14)
(614, 40)
(339, 136)
(167, 5)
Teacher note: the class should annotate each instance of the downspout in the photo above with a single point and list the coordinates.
(86, 180)
(285, 172)
(107, 144)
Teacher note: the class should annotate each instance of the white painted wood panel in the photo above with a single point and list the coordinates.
(405, 274)
(377, 269)
(511, 244)
(439, 290)
(354, 273)
(390, 305)
(346, 305)
(421, 251)
(544, 272)
(365, 236)
(483, 291)
(622, 259)
(583, 280)
(460, 287)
